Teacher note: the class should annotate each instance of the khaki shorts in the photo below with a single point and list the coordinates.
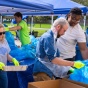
(42, 77)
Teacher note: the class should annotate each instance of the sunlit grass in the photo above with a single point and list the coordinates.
(42, 28)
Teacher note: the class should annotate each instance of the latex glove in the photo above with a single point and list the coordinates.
(16, 63)
(71, 70)
(78, 64)
(6, 28)
(1, 65)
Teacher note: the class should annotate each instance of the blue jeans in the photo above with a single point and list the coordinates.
(3, 79)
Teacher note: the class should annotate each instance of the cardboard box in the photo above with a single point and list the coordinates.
(15, 68)
(75, 82)
(53, 84)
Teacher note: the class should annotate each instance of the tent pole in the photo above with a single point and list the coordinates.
(51, 19)
(31, 25)
(1, 18)
(84, 21)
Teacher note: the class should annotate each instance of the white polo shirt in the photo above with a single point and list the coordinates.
(67, 43)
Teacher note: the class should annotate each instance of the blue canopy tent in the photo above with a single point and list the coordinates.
(24, 4)
(58, 6)
(9, 7)
(64, 6)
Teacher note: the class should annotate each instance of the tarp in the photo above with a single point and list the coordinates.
(12, 6)
(39, 7)
(64, 6)
(20, 79)
(60, 7)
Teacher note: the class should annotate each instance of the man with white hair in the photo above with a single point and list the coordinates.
(49, 64)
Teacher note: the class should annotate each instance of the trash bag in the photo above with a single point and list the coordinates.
(80, 75)
(33, 41)
(26, 76)
(20, 79)
(19, 54)
(10, 40)
(29, 51)
(25, 52)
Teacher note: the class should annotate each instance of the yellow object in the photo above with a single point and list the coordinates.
(1, 65)
(78, 64)
(13, 32)
(6, 28)
(16, 63)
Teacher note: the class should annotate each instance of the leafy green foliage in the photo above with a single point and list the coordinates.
(83, 2)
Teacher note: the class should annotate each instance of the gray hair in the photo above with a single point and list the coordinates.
(1, 25)
(60, 21)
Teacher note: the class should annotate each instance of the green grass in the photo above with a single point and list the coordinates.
(42, 25)
(41, 28)
(83, 27)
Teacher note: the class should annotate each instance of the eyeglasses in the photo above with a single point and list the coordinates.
(77, 21)
(73, 18)
(2, 33)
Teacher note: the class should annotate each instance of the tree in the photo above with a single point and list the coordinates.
(83, 2)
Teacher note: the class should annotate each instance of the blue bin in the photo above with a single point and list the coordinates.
(12, 80)
(20, 79)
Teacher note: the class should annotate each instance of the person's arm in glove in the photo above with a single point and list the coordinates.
(13, 28)
(6, 28)
(71, 70)
(78, 64)
(16, 63)
(1, 65)
(62, 62)
(11, 59)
